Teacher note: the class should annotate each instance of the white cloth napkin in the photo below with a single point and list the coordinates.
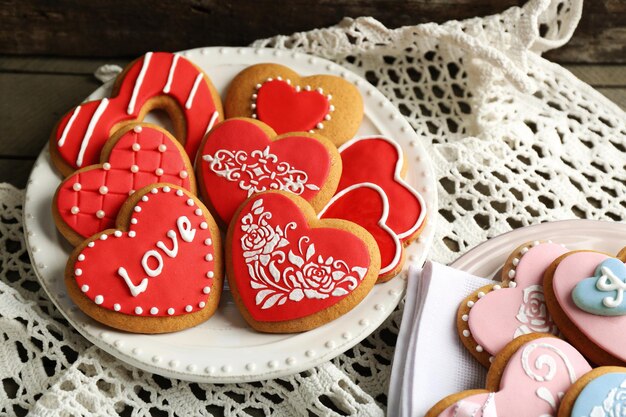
(430, 361)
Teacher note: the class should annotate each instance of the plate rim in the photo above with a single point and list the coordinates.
(395, 288)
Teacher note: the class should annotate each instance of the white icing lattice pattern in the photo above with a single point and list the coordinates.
(515, 140)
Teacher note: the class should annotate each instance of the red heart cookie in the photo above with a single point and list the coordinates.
(291, 272)
(600, 336)
(158, 80)
(493, 315)
(240, 157)
(366, 205)
(527, 378)
(379, 160)
(138, 155)
(159, 271)
(279, 97)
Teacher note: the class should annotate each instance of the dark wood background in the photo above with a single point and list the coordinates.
(50, 49)
(126, 28)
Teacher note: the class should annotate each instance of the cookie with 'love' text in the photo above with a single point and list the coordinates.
(159, 270)
(289, 271)
(288, 102)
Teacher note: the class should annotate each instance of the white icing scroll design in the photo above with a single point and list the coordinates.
(609, 282)
(278, 276)
(533, 313)
(260, 171)
(613, 404)
(545, 368)
(468, 408)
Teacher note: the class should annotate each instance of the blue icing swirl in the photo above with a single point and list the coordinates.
(603, 294)
(604, 396)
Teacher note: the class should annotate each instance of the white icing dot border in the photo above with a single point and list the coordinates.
(210, 367)
(298, 88)
(140, 310)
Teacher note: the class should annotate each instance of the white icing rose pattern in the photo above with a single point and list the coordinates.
(260, 171)
(614, 405)
(278, 276)
(533, 313)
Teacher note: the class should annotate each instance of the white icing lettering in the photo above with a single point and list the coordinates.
(185, 230)
(152, 272)
(169, 252)
(135, 290)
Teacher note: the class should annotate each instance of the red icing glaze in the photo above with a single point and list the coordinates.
(284, 109)
(233, 158)
(119, 180)
(379, 160)
(183, 280)
(366, 205)
(283, 269)
(68, 139)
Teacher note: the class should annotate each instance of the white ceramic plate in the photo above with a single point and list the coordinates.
(224, 349)
(486, 259)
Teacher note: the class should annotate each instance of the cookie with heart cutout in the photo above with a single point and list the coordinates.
(138, 155)
(289, 271)
(241, 157)
(155, 81)
(158, 271)
(599, 393)
(367, 205)
(527, 378)
(379, 160)
(493, 315)
(288, 102)
(585, 295)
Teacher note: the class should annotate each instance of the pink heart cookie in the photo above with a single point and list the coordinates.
(528, 378)
(601, 338)
(492, 316)
(159, 270)
(88, 201)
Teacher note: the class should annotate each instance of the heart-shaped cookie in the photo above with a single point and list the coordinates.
(291, 272)
(493, 315)
(366, 205)
(88, 201)
(379, 160)
(598, 393)
(279, 97)
(241, 157)
(159, 271)
(158, 80)
(528, 378)
(600, 337)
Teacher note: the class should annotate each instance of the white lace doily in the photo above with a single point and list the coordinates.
(515, 140)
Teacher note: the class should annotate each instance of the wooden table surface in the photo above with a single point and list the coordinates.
(36, 92)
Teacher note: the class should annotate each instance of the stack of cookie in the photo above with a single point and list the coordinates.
(554, 313)
(313, 218)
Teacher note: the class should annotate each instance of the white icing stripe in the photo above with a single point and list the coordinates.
(193, 92)
(212, 121)
(382, 222)
(397, 177)
(92, 125)
(68, 126)
(170, 76)
(138, 82)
